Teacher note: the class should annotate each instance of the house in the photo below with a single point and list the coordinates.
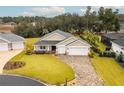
(107, 38)
(61, 42)
(10, 41)
(116, 41)
(118, 46)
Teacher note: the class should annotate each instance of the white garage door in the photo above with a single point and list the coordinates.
(61, 50)
(18, 45)
(78, 51)
(4, 47)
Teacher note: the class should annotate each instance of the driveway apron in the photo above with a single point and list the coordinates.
(6, 56)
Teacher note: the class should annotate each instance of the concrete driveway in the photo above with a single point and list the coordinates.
(85, 74)
(6, 56)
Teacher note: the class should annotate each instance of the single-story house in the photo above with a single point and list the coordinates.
(62, 42)
(10, 41)
(107, 38)
(116, 40)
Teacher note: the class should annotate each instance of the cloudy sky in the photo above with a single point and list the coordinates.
(47, 11)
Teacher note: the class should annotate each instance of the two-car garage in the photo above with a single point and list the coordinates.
(76, 47)
(78, 51)
(3, 47)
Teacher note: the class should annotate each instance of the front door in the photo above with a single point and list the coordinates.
(53, 48)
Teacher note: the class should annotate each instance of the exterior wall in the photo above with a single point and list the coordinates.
(3, 46)
(73, 50)
(61, 50)
(18, 45)
(54, 37)
(116, 48)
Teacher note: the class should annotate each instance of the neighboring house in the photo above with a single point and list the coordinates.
(10, 41)
(107, 38)
(62, 43)
(116, 40)
(118, 46)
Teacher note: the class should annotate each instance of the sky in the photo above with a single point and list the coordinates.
(48, 11)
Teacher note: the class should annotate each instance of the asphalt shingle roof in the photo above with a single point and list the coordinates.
(47, 43)
(65, 34)
(119, 42)
(2, 41)
(115, 35)
(11, 37)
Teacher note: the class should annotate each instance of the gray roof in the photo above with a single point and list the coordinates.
(11, 37)
(114, 35)
(2, 41)
(120, 42)
(47, 43)
(65, 34)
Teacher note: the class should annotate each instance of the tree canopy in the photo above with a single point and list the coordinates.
(105, 19)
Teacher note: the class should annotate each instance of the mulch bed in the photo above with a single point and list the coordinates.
(14, 65)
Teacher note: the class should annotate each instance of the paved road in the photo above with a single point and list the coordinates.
(12, 80)
(6, 56)
(85, 73)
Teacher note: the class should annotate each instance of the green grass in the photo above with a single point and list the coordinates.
(109, 70)
(46, 68)
(31, 41)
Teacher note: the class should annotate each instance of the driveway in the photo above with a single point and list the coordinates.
(85, 72)
(6, 56)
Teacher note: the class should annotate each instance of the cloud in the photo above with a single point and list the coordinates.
(27, 14)
(49, 10)
(84, 10)
(44, 11)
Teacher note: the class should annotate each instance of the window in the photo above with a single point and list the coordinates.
(42, 47)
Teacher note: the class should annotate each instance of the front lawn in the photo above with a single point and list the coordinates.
(46, 68)
(109, 70)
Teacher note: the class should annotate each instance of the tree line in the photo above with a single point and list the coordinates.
(105, 19)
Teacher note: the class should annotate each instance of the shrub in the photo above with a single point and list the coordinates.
(96, 49)
(107, 54)
(28, 52)
(39, 52)
(108, 48)
(91, 54)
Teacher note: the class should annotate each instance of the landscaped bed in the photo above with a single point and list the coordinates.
(47, 68)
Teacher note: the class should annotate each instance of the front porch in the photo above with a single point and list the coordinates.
(45, 49)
